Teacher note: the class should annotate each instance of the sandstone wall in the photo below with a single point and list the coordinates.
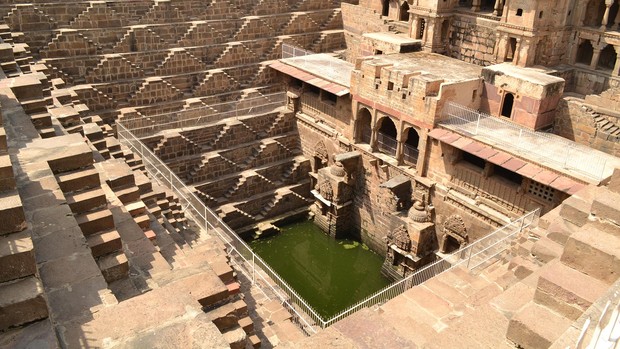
(581, 122)
(473, 40)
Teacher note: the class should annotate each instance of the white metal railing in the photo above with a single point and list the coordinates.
(148, 125)
(410, 154)
(289, 51)
(386, 144)
(264, 277)
(251, 264)
(606, 332)
(540, 146)
(323, 65)
(471, 256)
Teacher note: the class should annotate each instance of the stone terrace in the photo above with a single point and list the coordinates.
(88, 240)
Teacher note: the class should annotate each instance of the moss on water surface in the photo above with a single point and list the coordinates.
(329, 274)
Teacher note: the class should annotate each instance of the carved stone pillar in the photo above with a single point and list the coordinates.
(475, 5)
(595, 56)
(399, 149)
(616, 71)
(617, 21)
(608, 4)
(517, 53)
(414, 31)
(426, 24)
(497, 9)
(574, 48)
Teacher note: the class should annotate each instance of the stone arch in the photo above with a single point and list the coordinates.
(607, 59)
(363, 126)
(585, 51)
(387, 136)
(507, 105)
(410, 146)
(454, 234)
(595, 10)
(321, 156)
(385, 7)
(404, 11)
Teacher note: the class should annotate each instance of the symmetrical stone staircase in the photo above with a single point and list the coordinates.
(118, 47)
(103, 248)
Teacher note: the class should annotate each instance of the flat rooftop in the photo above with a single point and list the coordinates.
(545, 149)
(538, 76)
(449, 69)
(325, 66)
(392, 38)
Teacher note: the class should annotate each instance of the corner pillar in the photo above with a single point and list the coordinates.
(608, 4)
(498, 8)
(414, 27)
(475, 5)
(595, 57)
(616, 71)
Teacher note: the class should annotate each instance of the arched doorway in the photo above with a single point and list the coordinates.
(386, 136)
(511, 50)
(607, 59)
(385, 7)
(509, 100)
(363, 126)
(404, 11)
(410, 147)
(454, 235)
(595, 10)
(585, 52)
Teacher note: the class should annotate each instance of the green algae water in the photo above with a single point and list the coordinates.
(329, 274)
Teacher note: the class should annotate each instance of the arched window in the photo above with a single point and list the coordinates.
(595, 10)
(364, 129)
(386, 137)
(404, 11)
(585, 52)
(511, 50)
(410, 147)
(385, 7)
(509, 100)
(519, 12)
(607, 59)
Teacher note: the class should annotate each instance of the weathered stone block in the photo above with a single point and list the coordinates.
(16, 256)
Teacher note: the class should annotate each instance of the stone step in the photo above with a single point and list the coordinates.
(76, 155)
(128, 194)
(567, 291)
(153, 196)
(48, 132)
(143, 182)
(7, 178)
(78, 180)
(593, 252)
(12, 215)
(535, 326)
(224, 317)
(136, 208)
(41, 120)
(94, 222)
(236, 338)
(545, 250)
(247, 324)
(3, 143)
(143, 221)
(254, 341)
(522, 267)
(104, 243)
(114, 266)
(223, 271)
(575, 210)
(16, 256)
(86, 201)
(607, 207)
(21, 301)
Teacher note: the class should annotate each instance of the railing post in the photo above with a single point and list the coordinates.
(478, 123)
(253, 268)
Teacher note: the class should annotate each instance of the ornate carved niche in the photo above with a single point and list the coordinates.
(326, 190)
(320, 152)
(454, 234)
(399, 237)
